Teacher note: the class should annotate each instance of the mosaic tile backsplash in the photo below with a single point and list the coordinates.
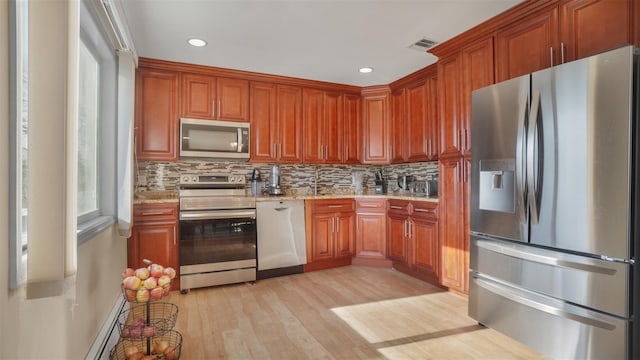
(295, 178)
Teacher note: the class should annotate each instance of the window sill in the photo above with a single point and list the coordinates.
(88, 229)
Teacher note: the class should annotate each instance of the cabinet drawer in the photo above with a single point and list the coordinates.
(423, 209)
(155, 212)
(371, 205)
(332, 205)
(399, 207)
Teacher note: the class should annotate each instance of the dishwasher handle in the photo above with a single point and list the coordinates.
(280, 208)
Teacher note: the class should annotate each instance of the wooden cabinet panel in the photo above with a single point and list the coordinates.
(425, 246)
(289, 124)
(431, 114)
(453, 271)
(322, 236)
(375, 124)
(398, 127)
(233, 99)
(397, 248)
(333, 127)
(588, 27)
(526, 46)
(156, 114)
(352, 123)
(449, 88)
(264, 126)
(418, 133)
(477, 72)
(371, 229)
(313, 117)
(198, 96)
(345, 234)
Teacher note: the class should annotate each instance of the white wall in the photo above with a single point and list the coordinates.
(59, 327)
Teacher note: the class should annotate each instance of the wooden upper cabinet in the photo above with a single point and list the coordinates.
(351, 119)
(418, 133)
(264, 124)
(156, 114)
(431, 113)
(588, 27)
(289, 147)
(208, 97)
(449, 98)
(527, 45)
(375, 127)
(323, 126)
(477, 72)
(398, 127)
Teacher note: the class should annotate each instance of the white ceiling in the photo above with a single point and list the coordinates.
(312, 39)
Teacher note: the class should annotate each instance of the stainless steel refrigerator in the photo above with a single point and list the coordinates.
(554, 208)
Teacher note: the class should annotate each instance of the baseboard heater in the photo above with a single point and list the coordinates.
(108, 335)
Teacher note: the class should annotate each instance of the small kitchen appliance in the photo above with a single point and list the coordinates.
(404, 182)
(274, 181)
(256, 183)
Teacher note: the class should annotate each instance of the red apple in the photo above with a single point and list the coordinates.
(130, 294)
(138, 322)
(170, 272)
(142, 273)
(156, 293)
(164, 280)
(128, 272)
(142, 295)
(132, 282)
(159, 346)
(149, 331)
(156, 270)
(150, 283)
(166, 290)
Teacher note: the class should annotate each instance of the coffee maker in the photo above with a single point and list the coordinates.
(274, 181)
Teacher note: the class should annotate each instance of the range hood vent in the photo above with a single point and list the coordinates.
(423, 44)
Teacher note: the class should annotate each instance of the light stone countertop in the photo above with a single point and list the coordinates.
(172, 196)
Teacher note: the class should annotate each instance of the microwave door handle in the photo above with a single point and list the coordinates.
(239, 147)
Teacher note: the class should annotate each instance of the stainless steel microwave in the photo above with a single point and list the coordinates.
(214, 139)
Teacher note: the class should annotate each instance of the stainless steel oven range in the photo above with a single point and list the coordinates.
(217, 231)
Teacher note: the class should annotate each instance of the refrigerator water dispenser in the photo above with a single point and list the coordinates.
(497, 191)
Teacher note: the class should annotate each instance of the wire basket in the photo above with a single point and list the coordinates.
(147, 320)
(157, 293)
(150, 346)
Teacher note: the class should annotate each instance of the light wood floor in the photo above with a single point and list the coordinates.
(350, 312)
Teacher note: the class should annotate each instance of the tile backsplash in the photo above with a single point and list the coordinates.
(295, 178)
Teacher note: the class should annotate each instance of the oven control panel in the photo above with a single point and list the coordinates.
(212, 180)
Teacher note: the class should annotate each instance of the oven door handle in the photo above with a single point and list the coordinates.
(227, 214)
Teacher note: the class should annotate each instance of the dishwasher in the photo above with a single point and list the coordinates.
(282, 247)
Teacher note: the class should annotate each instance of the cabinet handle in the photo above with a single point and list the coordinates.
(404, 228)
(333, 229)
(338, 226)
(395, 207)
(551, 55)
(174, 237)
(561, 53)
(334, 206)
(280, 149)
(153, 213)
(213, 108)
(466, 140)
(219, 105)
(423, 210)
(346, 151)
(413, 230)
(390, 151)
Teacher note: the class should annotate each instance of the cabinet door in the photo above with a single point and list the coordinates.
(264, 124)
(588, 27)
(375, 121)
(156, 114)
(371, 234)
(449, 88)
(398, 126)
(351, 128)
(397, 249)
(154, 241)
(333, 127)
(233, 99)
(322, 236)
(345, 234)
(425, 246)
(527, 46)
(477, 72)
(289, 124)
(453, 270)
(431, 113)
(313, 128)
(199, 96)
(417, 128)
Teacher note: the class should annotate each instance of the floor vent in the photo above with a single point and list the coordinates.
(423, 44)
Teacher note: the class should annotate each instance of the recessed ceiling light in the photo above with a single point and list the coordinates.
(197, 42)
(366, 70)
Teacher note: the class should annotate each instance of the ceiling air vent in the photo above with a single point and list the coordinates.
(423, 44)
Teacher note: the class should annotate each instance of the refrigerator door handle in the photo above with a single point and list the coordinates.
(521, 167)
(533, 173)
(552, 309)
(514, 252)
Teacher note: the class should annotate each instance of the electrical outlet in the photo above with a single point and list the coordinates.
(142, 180)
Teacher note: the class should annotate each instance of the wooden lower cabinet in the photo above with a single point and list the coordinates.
(154, 236)
(330, 228)
(413, 243)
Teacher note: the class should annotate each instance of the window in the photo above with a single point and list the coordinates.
(19, 141)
